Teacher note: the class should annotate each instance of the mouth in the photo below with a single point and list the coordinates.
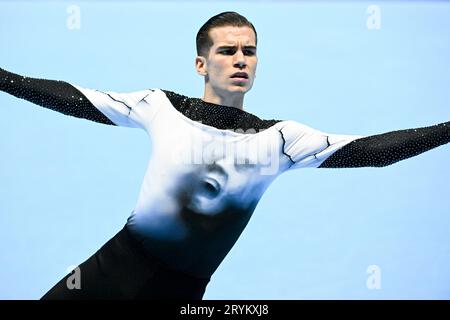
(240, 76)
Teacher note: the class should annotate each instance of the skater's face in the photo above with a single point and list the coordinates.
(233, 50)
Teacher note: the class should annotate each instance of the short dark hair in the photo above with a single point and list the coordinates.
(228, 18)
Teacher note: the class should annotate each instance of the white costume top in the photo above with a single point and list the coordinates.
(203, 183)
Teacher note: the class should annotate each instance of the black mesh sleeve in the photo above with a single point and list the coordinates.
(388, 148)
(51, 94)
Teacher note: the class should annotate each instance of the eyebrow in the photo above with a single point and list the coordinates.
(234, 47)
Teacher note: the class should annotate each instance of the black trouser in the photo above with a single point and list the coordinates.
(122, 270)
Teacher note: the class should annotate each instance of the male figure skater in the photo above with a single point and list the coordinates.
(211, 162)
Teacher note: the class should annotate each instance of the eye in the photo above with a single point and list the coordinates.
(227, 52)
(249, 52)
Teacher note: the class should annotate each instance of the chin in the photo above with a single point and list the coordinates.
(239, 89)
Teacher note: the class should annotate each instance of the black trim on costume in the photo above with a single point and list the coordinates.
(218, 116)
(388, 148)
(56, 95)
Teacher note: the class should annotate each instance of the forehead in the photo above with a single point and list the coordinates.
(232, 35)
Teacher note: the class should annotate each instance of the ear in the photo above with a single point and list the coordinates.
(200, 65)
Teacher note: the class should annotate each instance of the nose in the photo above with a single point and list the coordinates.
(239, 59)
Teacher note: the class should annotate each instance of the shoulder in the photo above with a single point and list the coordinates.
(176, 99)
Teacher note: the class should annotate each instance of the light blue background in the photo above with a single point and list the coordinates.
(67, 185)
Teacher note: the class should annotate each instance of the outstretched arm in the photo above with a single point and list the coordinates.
(132, 109)
(388, 148)
(55, 95)
(308, 147)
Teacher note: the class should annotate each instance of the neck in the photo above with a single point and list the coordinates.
(235, 101)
